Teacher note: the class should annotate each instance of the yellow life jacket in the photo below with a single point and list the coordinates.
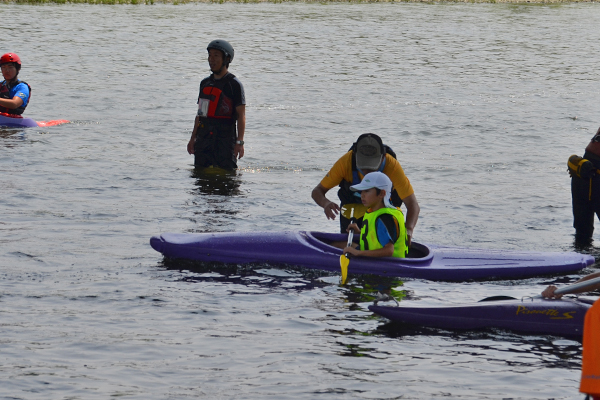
(581, 167)
(368, 233)
(590, 365)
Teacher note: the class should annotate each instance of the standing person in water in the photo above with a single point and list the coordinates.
(218, 135)
(585, 190)
(14, 94)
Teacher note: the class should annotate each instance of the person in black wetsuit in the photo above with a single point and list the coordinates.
(585, 192)
(218, 136)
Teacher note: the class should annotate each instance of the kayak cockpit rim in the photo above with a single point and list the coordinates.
(323, 240)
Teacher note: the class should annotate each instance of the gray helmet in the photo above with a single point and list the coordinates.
(224, 46)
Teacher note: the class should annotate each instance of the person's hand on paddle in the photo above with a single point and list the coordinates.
(351, 250)
(354, 227)
(331, 210)
(549, 293)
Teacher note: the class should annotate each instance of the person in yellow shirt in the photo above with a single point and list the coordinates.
(368, 154)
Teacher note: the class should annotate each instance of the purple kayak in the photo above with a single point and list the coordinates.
(313, 250)
(536, 316)
(17, 121)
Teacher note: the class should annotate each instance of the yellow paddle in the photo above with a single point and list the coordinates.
(344, 258)
(359, 210)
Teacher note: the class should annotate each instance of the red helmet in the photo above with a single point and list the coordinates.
(10, 58)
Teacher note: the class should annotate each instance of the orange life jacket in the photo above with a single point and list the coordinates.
(590, 366)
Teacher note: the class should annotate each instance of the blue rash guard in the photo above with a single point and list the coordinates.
(21, 89)
(383, 233)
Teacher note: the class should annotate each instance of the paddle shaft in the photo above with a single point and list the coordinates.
(351, 233)
(577, 286)
(574, 288)
(350, 237)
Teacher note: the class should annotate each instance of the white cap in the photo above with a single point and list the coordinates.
(377, 180)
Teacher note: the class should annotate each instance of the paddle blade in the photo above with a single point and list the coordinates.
(344, 258)
(344, 262)
(353, 210)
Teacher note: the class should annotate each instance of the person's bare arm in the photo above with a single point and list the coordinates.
(13, 103)
(238, 151)
(330, 208)
(412, 215)
(190, 145)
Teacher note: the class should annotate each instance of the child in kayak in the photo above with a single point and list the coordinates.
(383, 233)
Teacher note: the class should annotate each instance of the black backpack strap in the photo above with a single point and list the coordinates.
(389, 151)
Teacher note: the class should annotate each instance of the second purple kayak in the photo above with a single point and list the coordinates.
(535, 316)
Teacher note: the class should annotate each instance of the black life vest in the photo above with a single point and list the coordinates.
(213, 102)
(348, 196)
(216, 131)
(5, 94)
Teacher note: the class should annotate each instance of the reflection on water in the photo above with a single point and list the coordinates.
(587, 248)
(11, 135)
(216, 182)
(364, 288)
(255, 275)
(522, 349)
(213, 203)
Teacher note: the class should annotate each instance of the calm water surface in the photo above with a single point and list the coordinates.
(482, 103)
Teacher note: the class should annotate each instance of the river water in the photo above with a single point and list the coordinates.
(483, 104)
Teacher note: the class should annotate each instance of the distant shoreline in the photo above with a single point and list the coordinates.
(178, 2)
